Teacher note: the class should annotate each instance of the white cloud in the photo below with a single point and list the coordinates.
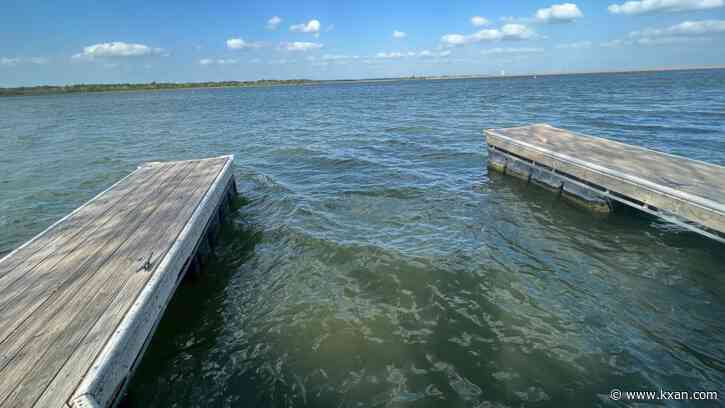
(575, 45)
(209, 61)
(240, 44)
(117, 49)
(479, 21)
(390, 55)
(615, 43)
(686, 28)
(662, 6)
(685, 32)
(670, 40)
(507, 32)
(312, 26)
(9, 61)
(335, 57)
(301, 46)
(399, 34)
(273, 23)
(494, 51)
(17, 60)
(559, 13)
(516, 32)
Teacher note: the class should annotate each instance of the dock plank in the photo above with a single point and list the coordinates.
(67, 291)
(82, 355)
(52, 240)
(49, 309)
(20, 300)
(160, 230)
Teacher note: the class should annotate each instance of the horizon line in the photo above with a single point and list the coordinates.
(394, 78)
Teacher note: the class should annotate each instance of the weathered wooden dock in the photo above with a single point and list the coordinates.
(80, 301)
(597, 173)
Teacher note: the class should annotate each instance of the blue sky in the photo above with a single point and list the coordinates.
(53, 42)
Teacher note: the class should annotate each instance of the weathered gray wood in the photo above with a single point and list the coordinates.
(21, 299)
(44, 319)
(82, 353)
(58, 314)
(52, 240)
(156, 236)
(118, 357)
(689, 189)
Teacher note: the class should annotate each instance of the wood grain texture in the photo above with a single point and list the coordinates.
(59, 313)
(53, 239)
(690, 189)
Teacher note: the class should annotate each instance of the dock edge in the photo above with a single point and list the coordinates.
(107, 379)
(599, 189)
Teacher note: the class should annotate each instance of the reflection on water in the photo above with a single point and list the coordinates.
(374, 261)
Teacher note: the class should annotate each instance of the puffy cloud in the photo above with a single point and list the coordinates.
(410, 54)
(686, 28)
(399, 34)
(273, 23)
(507, 32)
(670, 40)
(9, 61)
(662, 6)
(209, 61)
(393, 55)
(516, 32)
(240, 44)
(575, 45)
(615, 43)
(312, 26)
(559, 13)
(685, 32)
(479, 21)
(18, 60)
(494, 51)
(301, 46)
(117, 49)
(336, 57)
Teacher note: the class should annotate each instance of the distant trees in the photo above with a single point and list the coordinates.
(77, 88)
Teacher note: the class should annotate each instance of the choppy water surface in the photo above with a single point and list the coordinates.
(373, 261)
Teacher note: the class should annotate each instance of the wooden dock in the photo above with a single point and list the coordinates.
(597, 173)
(80, 301)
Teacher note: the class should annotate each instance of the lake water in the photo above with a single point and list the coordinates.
(373, 261)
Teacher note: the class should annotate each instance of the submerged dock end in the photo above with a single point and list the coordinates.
(596, 173)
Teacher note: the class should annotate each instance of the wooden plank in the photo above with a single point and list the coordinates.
(156, 235)
(18, 301)
(690, 189)
(18, 280)
(22, 350)
(82, 354)
(119, 355)
(52, 239)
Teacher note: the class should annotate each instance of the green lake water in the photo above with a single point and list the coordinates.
(373, 261)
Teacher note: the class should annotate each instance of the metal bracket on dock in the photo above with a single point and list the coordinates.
(147, 265)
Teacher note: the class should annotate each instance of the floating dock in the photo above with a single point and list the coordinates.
(598, 173)
(79, 302)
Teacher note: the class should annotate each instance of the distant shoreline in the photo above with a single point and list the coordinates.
(161, 86)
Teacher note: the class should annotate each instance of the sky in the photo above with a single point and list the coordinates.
(67, 42)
